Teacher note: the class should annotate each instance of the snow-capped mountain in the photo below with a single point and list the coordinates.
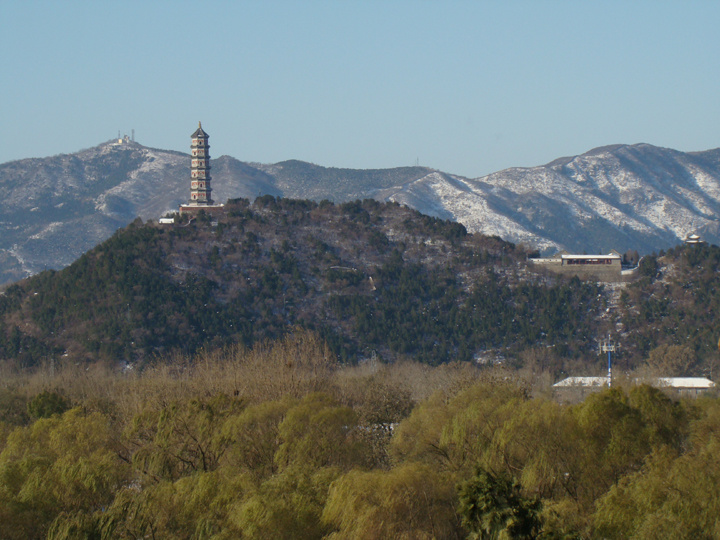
(617, 197)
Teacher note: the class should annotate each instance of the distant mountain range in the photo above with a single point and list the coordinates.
(616, 197)
(623, 197)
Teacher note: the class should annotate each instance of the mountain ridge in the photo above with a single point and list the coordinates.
(612, 197)
(606, 195)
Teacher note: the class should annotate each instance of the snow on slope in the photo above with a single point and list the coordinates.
(455, 198)
(622, 197)
(145, 191)
(616, 197)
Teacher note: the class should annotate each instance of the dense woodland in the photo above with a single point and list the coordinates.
(282, 441)
(373, 280)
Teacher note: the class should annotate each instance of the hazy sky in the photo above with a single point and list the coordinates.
(465, 87)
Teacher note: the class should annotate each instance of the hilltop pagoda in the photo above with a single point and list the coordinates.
(200, 188)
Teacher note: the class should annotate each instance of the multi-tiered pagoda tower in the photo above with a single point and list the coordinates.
(200, 190)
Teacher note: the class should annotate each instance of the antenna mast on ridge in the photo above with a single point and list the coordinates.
(608, 346)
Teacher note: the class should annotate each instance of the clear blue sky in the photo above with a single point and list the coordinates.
(466, 87)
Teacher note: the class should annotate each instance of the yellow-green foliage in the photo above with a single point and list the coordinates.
(411, 501)
(317, 433)
(55, 468)
(279, 442)
(675, 494)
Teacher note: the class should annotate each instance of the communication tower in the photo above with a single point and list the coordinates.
(609, 346)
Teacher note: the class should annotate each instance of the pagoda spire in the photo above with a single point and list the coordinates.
(200, 190)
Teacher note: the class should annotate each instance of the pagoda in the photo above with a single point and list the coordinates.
(200, 189)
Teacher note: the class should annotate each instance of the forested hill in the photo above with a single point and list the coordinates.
(371, 279)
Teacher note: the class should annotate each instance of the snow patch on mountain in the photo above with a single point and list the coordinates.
(143, 187)
(46, 231)
(456, 198)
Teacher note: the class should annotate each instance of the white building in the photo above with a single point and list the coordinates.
(685, 386)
